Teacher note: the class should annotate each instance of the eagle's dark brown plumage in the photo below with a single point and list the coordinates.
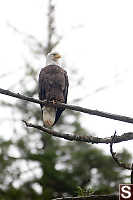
(53, 85)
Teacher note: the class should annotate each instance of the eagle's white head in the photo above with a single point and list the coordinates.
(53, 58)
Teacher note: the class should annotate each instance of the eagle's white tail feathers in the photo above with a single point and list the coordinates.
(48, 116)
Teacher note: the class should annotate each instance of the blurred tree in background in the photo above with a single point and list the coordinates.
(44, 167)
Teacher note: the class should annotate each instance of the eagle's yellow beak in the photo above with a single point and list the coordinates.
(57, 56)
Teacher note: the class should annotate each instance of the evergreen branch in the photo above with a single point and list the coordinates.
(71, 107)
(88, 139)
(91, 197)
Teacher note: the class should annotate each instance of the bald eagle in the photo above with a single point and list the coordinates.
(53, 86)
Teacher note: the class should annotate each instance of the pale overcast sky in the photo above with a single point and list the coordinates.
(97, 41)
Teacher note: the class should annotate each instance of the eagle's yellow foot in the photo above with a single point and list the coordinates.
(54, 101)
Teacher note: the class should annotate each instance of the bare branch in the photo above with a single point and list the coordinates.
(71, 107)
(88, 139)
(91, 197)
(116, 159)
(19, 96)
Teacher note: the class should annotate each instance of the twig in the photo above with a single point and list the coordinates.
(71, 107)
(88, 139)
(91, 197)
(114, 155)
(132, 174)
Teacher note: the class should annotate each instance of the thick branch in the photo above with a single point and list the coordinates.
(92, 197)
(71, 107)
(88, 139)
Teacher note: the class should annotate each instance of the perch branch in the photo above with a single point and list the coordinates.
(71, 107)
(88, 139)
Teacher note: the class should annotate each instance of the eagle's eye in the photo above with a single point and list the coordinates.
(55, 56)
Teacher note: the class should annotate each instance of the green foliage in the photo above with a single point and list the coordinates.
(83, 192)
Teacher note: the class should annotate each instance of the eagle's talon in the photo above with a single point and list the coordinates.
(54, 101)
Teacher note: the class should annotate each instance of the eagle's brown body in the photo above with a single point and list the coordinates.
(53, 85)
